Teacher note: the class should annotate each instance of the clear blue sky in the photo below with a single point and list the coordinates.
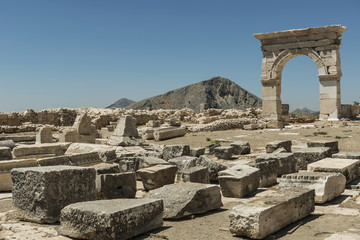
(77, 53)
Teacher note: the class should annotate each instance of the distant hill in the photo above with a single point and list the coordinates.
(217, 92)
(121, 103)
(306, 112)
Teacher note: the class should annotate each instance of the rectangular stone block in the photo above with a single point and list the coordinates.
(327, 186)
(195, 174)
(333, 145)
(115, 185)
(111, 219)
(268, 172)
(261, 217)
(224, 152)
(53, 161)
(105, 152)
(286, 162)
(173, 151)
(272, 146)
(309, 155)
(157, 176)
(39, 193)
(348, 167)
(39, 149)
(240, 147)
(5, 153)
(239, 181)
(347, 155)
(7, 166)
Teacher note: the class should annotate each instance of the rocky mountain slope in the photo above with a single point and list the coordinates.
(306, 112)
(217, 92)
(121, 103)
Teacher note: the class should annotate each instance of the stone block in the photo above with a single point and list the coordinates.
(111, 219)
(82, 124)
(157, 176)
(106, 153)
(39, 149)
(104, 168)
(261, 217)
(309, 155)
(348, 167)
(286, 162)
(39, 193)
(183, 162)
(7, 166)
(197, 152)
(44, 135)
(163, 134)
(153, 123)
(53, 161)
(185, 199)
(145, 162)
(195, 174)
(239, 181)
(347, 155)
(210, 149)
(240, 147)
(272, 146)
(327, 186)
(115, 185)
(126, 127)
(7, 143)
(173, 151)
(224, 152)
(333, 145)
(251, 127)
(268, 172)
(128, 164)
(213, 167)
(69, 135)
(5, 153)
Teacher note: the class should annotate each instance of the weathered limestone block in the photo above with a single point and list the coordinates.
(7, 143)
(39, 149)
(183, 162)
(104, 168)
(7, 166)
(153, 123)
(347, 155)
(195, 174)
(286, 162)
(213, 167)
(53, 161)
(173, 151)
(348, 167)
(111, 219)
(224, 152)
(263, 216)
(240, 147)
(162, 134)
(69, 135)
(39, 193)
(20, 138)
(115, 185)
(251, 127)
(105, 152)
(85, 159)
(210, 149)
(333, 145)
(157, 176)
(327, 186)
(184, 199)
(145, 162)
(5, 153)
(268, 171)
(82, 124)
(125, 133)
(44, 135)
(128, 164)
(197, 152)
(272, 146)
(239, 181)
(309, 155)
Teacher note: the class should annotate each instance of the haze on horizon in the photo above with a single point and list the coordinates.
(91, 53)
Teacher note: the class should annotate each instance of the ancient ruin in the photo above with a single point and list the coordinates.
(322, 45)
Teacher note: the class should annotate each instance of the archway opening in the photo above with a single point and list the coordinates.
(300, 87)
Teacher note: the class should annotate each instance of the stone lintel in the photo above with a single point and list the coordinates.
(329, 77)
(301, 32)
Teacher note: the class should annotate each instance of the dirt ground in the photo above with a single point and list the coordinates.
(338, 215)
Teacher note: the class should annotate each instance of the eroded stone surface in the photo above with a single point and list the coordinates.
(184, 199)
(111, 219)
(157, 176)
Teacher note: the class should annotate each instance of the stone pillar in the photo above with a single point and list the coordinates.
(271, 102)
(330, 99)
(44, 135)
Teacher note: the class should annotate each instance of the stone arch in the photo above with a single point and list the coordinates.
(322, 45)
(286, 55)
